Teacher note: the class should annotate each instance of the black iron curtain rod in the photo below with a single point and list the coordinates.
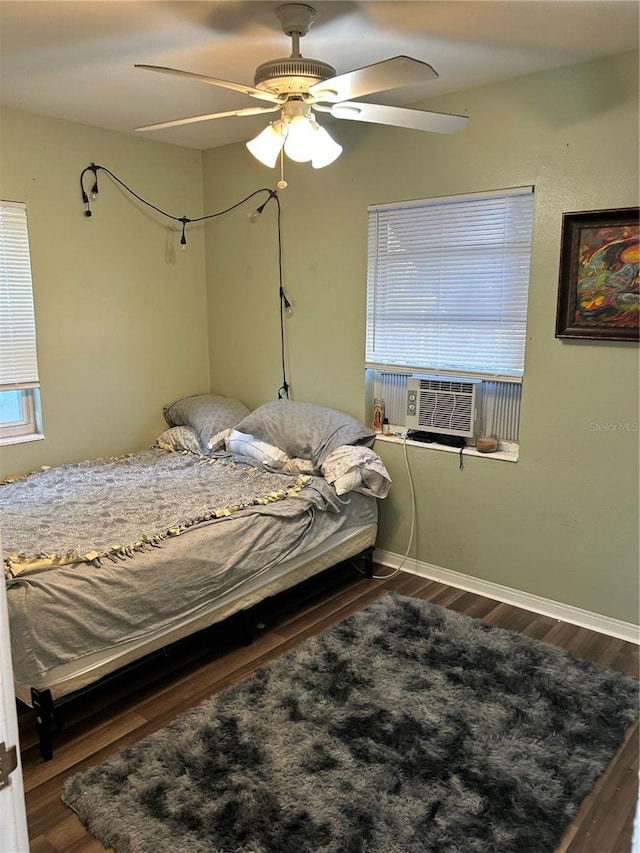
(285, 305)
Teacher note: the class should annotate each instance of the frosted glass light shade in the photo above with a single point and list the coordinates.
(300, 139)
(266, 146)
(325, 149)
(303, 140)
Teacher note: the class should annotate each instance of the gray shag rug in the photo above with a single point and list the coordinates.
(406, 728)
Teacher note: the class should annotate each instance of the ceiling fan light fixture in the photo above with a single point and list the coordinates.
(266, 146)
(300, 142)
(326, 149)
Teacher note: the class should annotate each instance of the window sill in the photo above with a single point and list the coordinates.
(508, 452)
(20, 439)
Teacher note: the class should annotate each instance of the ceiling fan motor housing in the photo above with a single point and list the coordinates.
(294, 74)
(291, 75)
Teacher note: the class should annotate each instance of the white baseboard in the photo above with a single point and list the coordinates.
(546, 606)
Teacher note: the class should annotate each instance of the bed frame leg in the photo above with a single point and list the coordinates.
(246, 627)
(48, 720)
(367, 556)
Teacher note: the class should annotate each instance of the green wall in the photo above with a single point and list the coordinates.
(120, 312)
(127, 323)
(562, 523)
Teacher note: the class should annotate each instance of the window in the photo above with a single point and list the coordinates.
(19, 380)
(447, 295)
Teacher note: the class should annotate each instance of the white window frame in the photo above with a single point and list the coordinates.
(408, 218)
(18, 353)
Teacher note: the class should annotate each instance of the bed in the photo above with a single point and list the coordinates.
(109, 560)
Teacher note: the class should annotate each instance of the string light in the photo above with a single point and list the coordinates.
(94, 188)
(285, 305)
(183, 237)
(255, 214)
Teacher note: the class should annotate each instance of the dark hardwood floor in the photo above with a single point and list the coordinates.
(125, 710)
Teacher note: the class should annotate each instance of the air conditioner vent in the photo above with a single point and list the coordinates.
(444, 405)
(454, 386)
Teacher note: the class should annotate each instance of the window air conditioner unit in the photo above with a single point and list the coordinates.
(443, 405)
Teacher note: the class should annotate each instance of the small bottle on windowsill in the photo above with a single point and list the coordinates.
(378, 414)
(386, 429)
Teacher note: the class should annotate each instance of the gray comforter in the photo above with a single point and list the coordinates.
(114, 507)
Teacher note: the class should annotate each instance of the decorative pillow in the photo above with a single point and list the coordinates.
(357, 469)
(305, 430)
(219, 440)
(250, 447)
(207, 414)
(349, 482)
(178, 439)
(300, 466)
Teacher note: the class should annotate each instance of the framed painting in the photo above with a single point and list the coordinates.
(598, 289)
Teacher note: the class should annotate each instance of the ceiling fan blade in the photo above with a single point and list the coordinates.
(213, 81)
(397, 116)
(247, 111)
(379, 77)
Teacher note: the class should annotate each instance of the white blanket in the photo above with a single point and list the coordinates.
(353, 468)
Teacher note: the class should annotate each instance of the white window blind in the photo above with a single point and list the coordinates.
(447, 284)
(18, 357)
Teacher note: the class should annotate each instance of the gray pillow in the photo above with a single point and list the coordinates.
(207, 414)
(304, 430)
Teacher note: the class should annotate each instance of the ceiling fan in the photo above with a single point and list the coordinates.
(294, 85)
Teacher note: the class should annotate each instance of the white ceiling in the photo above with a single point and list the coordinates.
(73, 59)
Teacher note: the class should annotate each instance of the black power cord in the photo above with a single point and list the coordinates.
(285, 305)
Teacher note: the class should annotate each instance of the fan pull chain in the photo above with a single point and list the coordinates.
(282, 184)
